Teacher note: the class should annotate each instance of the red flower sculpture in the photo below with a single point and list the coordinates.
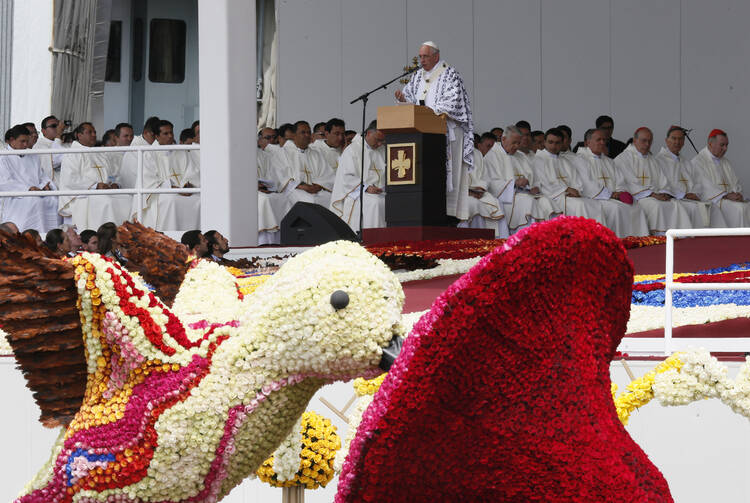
(502, 390)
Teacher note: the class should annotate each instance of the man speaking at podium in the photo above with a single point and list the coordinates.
(441, 88)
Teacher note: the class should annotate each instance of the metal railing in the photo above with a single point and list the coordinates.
(138, 191)
(667, 344)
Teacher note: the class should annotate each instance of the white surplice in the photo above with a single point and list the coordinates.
(20, 173)
(331, 154)
(84, 172)
(485, 212)
(50, 163)
(293, 166)
(129, 164)
(556, 174)
(345, 197)
(600, 180)
(679, 176)
(271, 205)
(520, 207)
(715, 178)
(170, 212)
(644, 175)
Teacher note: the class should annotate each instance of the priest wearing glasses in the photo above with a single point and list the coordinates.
(440, 87)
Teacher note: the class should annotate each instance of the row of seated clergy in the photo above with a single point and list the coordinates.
(103, 171)
(25, 173)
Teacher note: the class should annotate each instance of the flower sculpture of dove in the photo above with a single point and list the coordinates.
(182, 403)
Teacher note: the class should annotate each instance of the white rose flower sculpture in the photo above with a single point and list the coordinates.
(182, 404)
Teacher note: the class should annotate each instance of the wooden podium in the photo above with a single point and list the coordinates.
(415, 166)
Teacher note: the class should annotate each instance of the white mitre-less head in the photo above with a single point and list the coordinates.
(432, 44)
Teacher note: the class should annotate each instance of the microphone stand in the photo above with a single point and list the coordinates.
(687, 135)
(363, 98)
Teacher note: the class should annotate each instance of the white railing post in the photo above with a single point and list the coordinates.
(139, 186)
(668, 277)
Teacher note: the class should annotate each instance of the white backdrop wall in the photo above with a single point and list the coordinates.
(645, 62)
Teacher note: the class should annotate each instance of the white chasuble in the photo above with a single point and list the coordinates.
(84, 172)
(645, 177)
(303, 166)
(681, 182)
(172, 212)
(331, 154)
(600, 180)
(442, 89)
(129, 163)
(556, 174)
(715, 178)
(520, 207)
(271, 204)
(345, 200)
(20, 173)
(485, 211)
(50, 163)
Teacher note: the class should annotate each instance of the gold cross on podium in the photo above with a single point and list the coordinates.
(402, 164)
(176, 178)
(99, 172)
(643, 178)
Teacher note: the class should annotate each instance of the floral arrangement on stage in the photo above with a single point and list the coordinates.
(521, 391)
(414, 255)
(305, 458)
(640, 391)
(182, 404)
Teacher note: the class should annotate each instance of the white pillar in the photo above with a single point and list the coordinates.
(229, 199)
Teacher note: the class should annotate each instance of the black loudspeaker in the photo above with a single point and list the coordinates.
(312, 224)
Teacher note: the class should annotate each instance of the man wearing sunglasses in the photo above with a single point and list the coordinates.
(52, 129)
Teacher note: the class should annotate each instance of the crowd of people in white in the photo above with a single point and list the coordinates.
(518, 177)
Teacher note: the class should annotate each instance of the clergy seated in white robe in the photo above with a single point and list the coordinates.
(512, 181)
(649, 186)
(22, 173)
(345, 202)
(129, 162)
(50, 163)
(440, 87)
(678, 172)
(716, 181)
(88, 172)
(164, 170)
(558, 180)
(602, 182)
(303, 173)
(332, 145)
(271, 204)
(485, 210)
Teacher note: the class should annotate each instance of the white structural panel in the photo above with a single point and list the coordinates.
(549, 62)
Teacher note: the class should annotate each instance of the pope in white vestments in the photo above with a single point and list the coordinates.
(716, 181)
(512, 181)
(649, 185)
(679, 176)
(304, 174)
(21, 173)
(440, 87)
(86, 172)
(602, 182)
(558, 180)
(345, 202)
